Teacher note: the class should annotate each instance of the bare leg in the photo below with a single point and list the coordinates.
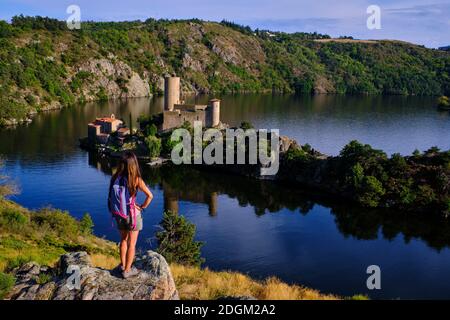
(124, 237)
(132, 238)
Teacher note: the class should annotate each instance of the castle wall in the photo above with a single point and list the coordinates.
(176, 112)
(173, 119)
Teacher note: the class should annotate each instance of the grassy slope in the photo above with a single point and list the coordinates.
(44, 235)
(40, 67)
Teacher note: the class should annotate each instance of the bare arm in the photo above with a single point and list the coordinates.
(149, 196)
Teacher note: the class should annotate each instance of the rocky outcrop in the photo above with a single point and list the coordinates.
(114, 78)
(286, 143)
(153, 282)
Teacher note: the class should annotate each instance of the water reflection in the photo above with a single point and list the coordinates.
(258, 227)
(181, 183)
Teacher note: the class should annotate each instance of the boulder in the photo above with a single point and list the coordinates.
(153, 282)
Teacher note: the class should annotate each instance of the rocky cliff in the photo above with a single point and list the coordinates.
(154, 281)
(46, 66)
(113, 78)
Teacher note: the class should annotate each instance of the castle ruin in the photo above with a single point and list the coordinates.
(176, 112)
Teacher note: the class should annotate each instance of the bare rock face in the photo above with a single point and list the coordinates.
(286, 143)
(115, 78)
(153, 282)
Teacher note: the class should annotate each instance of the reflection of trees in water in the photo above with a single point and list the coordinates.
(363, 223)
(188, 184)
(53, 136)
(194, 185)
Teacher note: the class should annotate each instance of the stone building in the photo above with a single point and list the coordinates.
(100, 130)
(176, 112)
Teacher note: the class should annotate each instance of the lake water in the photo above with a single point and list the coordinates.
(255, 227)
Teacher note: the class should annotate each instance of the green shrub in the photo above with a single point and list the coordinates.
(6, 283)
(101, 95)
(443, 102)
(176, 240)
(44, 278)
(168, 145)
(12, 219)
(307, 148)
(13, 243)
(153, 145)
(425, 196)
(359, 297)
(62, 223)
(17, 261)
(296, 154)
(150, 130)
(187, 125)
(245, 125)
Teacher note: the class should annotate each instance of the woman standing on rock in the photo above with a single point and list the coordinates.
(125, 183)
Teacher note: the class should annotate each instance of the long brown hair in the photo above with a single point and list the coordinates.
(129, 168)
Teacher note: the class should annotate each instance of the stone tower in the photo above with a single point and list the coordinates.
(213, 116)
(171, 92)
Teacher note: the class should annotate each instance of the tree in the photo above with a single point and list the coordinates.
(357, 175)
(154, 146)
(370, 192)
(151, 130)
(245, 125)
(86, 224)
(176, 240)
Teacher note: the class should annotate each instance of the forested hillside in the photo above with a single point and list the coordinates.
(44, 65)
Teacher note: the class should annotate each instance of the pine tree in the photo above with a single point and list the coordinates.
(176, 240)
(86, 224)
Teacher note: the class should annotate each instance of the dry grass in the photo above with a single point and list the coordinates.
(104, 261)
(203, 284)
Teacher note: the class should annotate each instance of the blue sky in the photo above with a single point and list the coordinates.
(424, 22)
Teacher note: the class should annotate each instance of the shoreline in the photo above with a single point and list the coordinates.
(311, 170)
(9, 123)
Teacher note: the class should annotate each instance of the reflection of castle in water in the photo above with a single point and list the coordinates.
(187, 184)
(172, 197)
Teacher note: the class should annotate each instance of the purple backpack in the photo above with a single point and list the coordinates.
(120, 203)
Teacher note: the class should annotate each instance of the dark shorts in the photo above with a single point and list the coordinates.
(124, 224)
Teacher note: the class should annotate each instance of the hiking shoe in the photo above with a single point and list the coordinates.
(128, 274)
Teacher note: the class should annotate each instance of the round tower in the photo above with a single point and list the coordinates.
(214, 106)
(212, 205)
(171, 92)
